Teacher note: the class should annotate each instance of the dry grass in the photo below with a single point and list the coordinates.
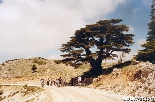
(21, 70)
(31, 89)
(1, 92)
(22, 92)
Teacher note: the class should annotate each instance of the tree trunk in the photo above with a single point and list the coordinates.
(96, 67)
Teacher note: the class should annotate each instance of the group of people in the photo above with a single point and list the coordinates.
(77, 81)
(57, 82)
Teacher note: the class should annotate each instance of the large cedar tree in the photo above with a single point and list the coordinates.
(97, 42)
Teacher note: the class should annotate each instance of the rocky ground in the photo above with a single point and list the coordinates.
(18, 93)
(133, 80)
(137, 80)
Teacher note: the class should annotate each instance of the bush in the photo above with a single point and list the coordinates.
(58, 61)
(0, 67)
(3, 64)
(1, 86)
(38, 61)
(1, 98)
(1, 92)
(34, 68)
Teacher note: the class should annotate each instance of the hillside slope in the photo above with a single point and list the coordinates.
(17, 70)
(133, 80)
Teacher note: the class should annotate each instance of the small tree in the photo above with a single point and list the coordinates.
(34, 68)
(96, 42)
(148, 53)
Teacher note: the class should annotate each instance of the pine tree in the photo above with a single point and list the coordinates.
(96, 42)
(148, 53)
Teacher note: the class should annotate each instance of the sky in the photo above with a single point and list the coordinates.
(38, 28)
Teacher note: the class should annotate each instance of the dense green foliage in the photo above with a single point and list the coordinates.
(148, 53)
(96, 42)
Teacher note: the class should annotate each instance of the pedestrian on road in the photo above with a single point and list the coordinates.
(48, 82)
(42, 82)
(57, 82)
(79, 80)
(60, 82)
(51, 82)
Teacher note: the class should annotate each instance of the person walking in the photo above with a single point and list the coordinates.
(79, 80)
(57, 82)
(48, 82)
(60, 82)
(42, 82)
(51, 82)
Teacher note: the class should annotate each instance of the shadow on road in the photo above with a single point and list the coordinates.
(89, 75)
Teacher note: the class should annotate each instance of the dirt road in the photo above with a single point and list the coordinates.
(77, 94)
(71, 94)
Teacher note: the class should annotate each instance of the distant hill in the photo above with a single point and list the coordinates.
(19, 68)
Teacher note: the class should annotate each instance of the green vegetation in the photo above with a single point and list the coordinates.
(148, 53)
(105, 36)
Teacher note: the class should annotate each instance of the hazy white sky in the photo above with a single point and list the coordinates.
(37, 28)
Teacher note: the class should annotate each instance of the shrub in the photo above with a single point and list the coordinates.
(34, 68)
(38, 61)
(1, 92)
(58, 61)
(0, 86)
(0, 67)
(3, 64)
(1, 98)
